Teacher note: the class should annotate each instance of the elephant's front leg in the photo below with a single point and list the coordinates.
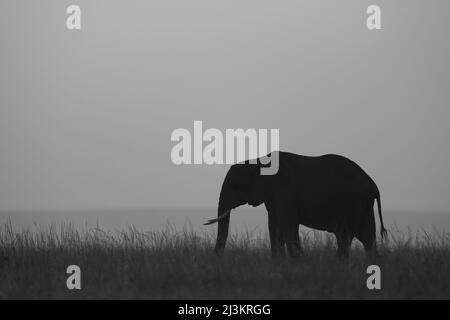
(276, 242)
(293, 241)
(288, 225)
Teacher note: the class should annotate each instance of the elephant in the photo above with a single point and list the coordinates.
(328, 192)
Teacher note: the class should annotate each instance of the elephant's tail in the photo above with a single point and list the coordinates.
(383, 230)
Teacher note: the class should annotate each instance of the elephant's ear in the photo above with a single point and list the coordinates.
(262, 185)
(258, 191)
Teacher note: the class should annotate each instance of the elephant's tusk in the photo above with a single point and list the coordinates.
(217, 219)
(210, 222)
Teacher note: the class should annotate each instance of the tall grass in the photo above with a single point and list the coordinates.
(180, 264)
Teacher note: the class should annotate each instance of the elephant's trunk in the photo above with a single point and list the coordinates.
(222, 231)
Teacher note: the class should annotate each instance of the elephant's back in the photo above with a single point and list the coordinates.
(327, 173)
(345, 168)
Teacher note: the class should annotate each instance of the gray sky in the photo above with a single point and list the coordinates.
(86, 116)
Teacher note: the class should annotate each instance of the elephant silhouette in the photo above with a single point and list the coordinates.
(329, 192)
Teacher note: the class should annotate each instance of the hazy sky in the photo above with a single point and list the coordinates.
(86, 116)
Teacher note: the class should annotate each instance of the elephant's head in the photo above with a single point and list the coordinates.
(243, 184)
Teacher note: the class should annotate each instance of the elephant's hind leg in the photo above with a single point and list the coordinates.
(344, 241)
(367, 235)
(369, 243)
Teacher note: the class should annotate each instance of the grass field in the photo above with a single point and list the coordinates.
(179, 264)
